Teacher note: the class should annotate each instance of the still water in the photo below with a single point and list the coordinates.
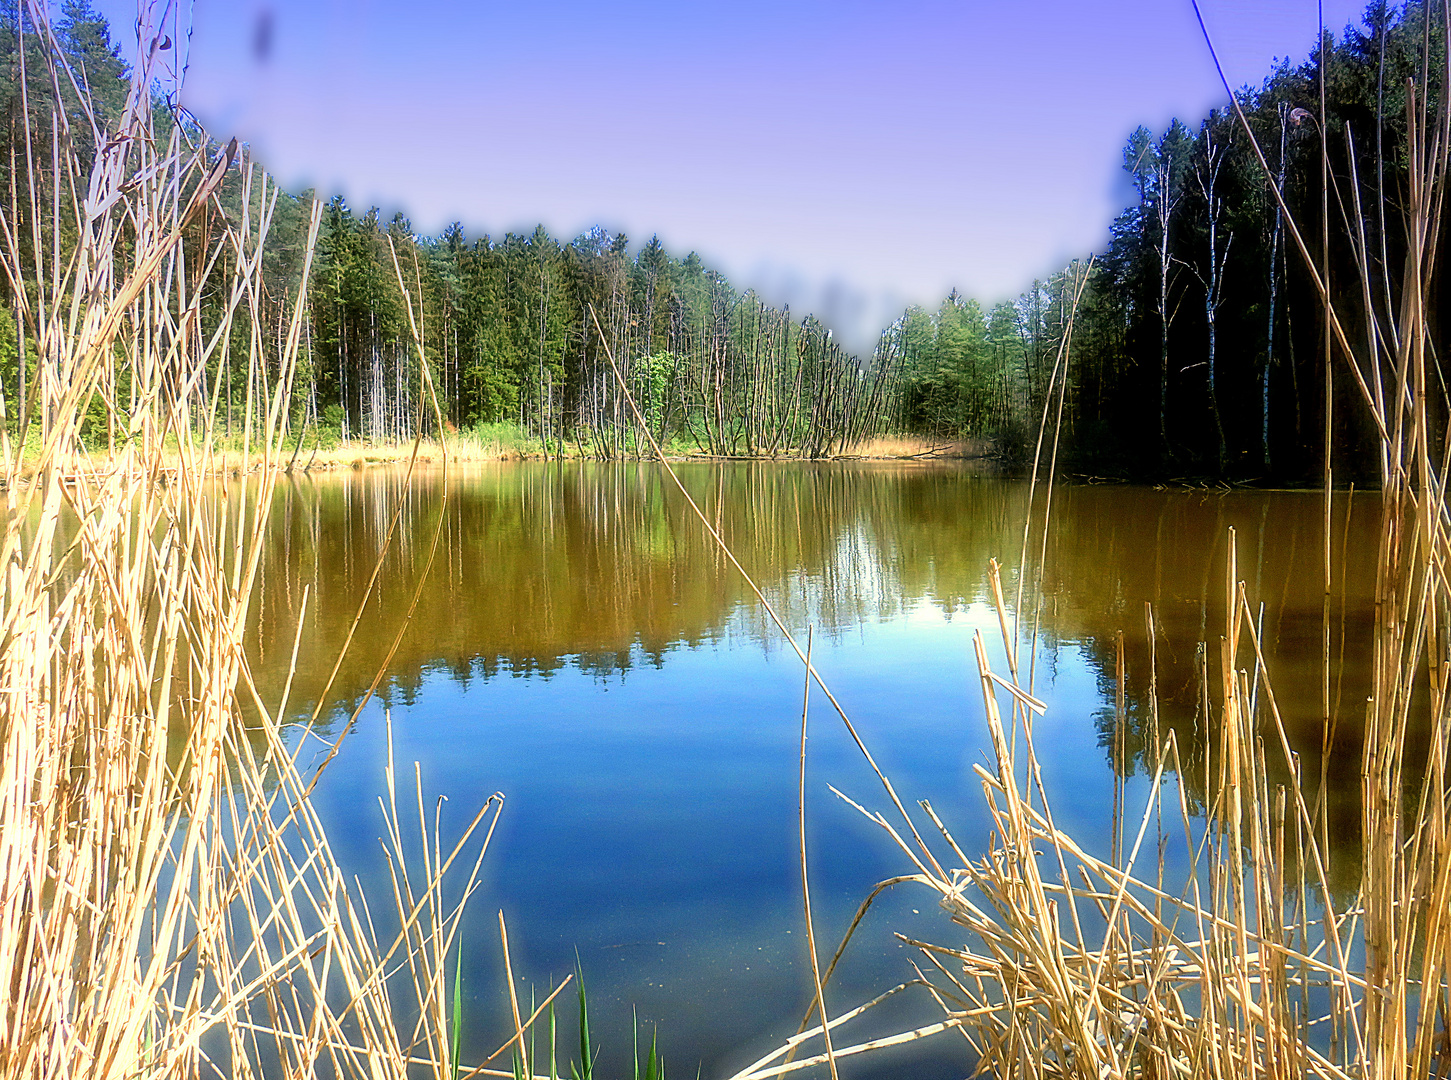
(582, 647)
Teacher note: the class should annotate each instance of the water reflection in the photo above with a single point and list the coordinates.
(1114, 549)
(646, 736)
(604, 567)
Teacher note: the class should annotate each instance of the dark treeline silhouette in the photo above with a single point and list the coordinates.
(1198, 348)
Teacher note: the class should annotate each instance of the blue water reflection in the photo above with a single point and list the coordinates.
(650, 823)
(581, 648)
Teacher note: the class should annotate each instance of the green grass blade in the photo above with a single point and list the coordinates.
(586, 1059)
(458, 1012)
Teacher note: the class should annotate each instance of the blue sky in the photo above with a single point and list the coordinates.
(847, 157)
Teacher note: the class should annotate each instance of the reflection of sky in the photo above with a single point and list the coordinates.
(658, 806)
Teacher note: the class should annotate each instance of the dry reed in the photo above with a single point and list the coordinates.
(169, 904)
(1235, 958)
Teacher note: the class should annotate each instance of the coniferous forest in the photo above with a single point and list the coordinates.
(1197, 349)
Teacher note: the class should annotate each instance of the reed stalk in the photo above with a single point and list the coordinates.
(1242, 961)
(169, 904)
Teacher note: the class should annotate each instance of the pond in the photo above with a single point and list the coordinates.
(581, 645)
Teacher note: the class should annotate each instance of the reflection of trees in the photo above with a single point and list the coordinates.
(602, 566)
(1115, 549)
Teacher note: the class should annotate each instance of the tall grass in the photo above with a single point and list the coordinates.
(1234, 958)
(1213, 945)
(169, 904)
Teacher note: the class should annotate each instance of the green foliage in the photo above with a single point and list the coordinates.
(457, 1020)
(497, 439)
(553, 1044)
(1177, 317)
(654, 1065)
(1194, 350)
(963, 374)
(518, 329)
(8, 343)
(653, 375)
(85, 37)
(585, 1069)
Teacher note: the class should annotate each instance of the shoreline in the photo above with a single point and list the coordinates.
(360, 456)
(355, 455)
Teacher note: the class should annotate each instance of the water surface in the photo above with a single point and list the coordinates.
(581, 646)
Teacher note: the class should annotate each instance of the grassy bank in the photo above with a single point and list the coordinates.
(483, 443)
(508, 442)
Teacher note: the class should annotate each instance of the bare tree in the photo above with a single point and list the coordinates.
(1168, 192)
(1276, 256)
(1207, 170)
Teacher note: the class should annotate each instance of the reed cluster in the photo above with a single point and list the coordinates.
(169, 904)
(1209, 942)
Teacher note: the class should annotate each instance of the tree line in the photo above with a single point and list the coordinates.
(1198, 348)
(524, 329)
(548, 334)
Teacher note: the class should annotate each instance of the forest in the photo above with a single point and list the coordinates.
(1196, 348)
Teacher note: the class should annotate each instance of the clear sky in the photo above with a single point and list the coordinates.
(848, 157)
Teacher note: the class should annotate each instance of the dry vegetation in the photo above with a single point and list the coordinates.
(902, 447)
(1232, 956)
(168, 901)
(169, 905)
(465, 448)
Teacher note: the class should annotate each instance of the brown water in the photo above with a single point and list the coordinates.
(580, 645)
